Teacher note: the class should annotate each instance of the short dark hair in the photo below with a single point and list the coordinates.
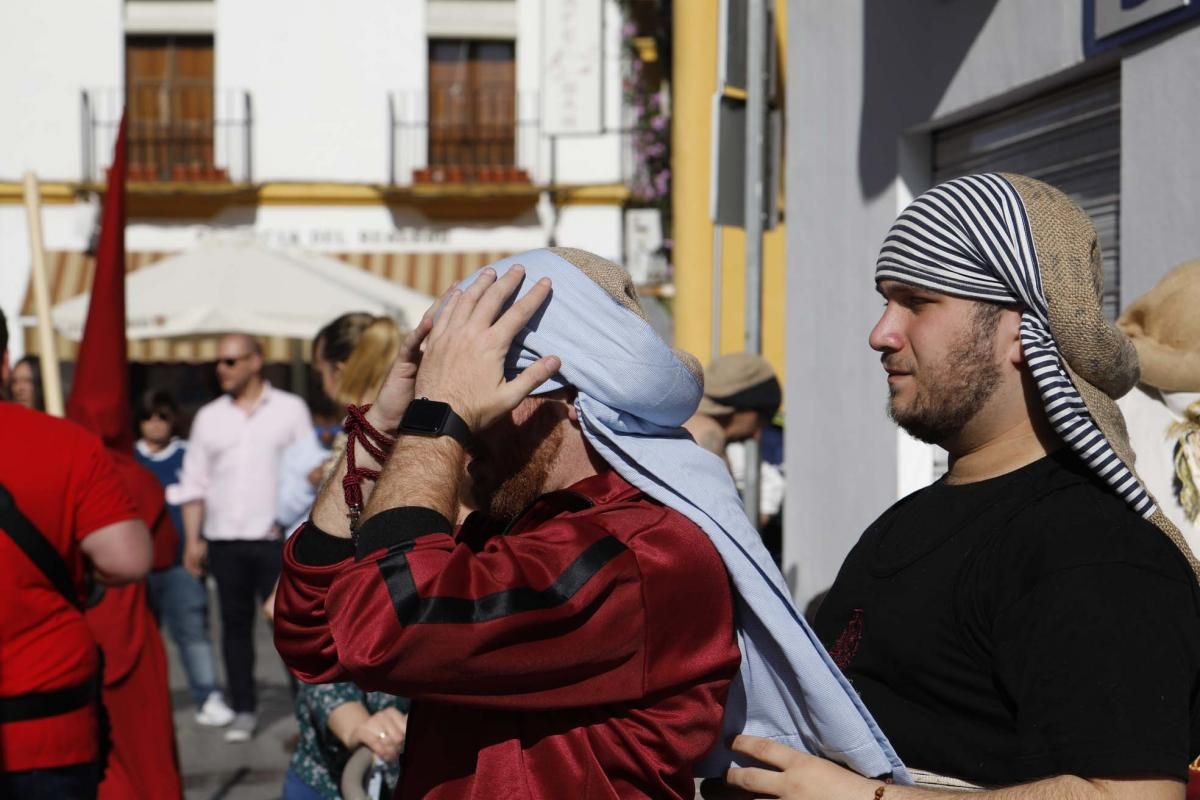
(161, 402)
(3, 333)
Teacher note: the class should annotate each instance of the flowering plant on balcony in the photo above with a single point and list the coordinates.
(650, 133)
(651, 136)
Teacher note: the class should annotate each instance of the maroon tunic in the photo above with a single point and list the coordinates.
(143, 762)
(584, 652)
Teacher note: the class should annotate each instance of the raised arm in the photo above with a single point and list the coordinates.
(421, 473)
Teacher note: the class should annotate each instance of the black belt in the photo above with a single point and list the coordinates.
(38, 705)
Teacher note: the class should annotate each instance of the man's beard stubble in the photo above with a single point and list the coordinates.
(525, 466)
(950, 394)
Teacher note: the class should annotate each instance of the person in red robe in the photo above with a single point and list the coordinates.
(143, 761)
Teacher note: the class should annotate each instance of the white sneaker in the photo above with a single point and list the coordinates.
(214, 713)
(242, 728)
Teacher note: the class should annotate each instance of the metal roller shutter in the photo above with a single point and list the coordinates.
(1069, 138)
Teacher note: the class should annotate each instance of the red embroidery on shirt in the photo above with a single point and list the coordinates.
(846, 646)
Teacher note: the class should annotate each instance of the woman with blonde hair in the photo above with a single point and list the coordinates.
(352, 354)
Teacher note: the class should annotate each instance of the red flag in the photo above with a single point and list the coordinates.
(100, 392)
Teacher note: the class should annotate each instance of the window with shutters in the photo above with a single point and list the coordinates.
(169, 97)
(472, 105)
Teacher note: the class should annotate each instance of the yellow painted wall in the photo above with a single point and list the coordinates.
(694, 80)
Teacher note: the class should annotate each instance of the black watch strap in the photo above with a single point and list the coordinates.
(425, 417)
(456, 427)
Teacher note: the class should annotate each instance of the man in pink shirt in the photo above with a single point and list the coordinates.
(227, 491)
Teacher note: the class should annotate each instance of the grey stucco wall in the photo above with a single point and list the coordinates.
(1020, 43)
(1160, 161)
(862, 74)
(840, 468)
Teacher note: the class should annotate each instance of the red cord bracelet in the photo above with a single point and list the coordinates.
(377, 443)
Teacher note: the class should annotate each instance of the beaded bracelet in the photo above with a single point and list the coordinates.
(377, 443)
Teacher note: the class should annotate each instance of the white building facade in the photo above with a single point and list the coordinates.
(418, 139)
(885, 99)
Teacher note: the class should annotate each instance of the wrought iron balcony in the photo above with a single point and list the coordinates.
(454, 135)
(191, 132)
(463, 136)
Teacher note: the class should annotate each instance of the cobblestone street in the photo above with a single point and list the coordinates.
(254, 770)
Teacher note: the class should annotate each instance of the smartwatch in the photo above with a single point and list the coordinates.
(425, 417)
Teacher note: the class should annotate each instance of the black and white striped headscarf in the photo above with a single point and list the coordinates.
(970, 237)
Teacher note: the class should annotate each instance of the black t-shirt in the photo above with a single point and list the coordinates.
(1020, 627)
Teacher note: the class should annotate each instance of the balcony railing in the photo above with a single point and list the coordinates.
(175, 133)
(490, 137)
(463, 136)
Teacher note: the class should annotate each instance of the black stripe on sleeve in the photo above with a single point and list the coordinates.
(397, 526)
(412, 609)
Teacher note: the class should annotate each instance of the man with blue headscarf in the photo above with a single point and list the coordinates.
(1027, 627)
(608, 618)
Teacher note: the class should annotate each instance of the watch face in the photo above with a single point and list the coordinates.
(424, 416)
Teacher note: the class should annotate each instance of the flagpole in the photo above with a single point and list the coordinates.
(51, 382)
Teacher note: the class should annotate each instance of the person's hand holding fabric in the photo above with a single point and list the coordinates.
(463, 362)
(797, 776)
(792, 775)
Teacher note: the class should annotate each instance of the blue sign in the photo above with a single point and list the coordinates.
(1113, 23)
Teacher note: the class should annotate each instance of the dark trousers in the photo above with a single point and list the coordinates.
(245, 572)
(76, 782)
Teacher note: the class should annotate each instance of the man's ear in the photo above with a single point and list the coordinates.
(1010, 335)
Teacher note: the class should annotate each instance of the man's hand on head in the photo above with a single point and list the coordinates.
(397, 390)
(463, 361)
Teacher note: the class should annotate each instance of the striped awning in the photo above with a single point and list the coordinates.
(69, 273)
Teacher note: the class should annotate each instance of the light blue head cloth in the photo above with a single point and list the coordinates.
(633, 394)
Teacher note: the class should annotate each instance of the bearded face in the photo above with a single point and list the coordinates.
(947, 395)
(509, 461)
(940, 356)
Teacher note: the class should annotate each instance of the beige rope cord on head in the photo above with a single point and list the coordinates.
(1101, 361)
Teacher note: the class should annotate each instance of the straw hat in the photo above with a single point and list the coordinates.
(1100, 360)
(740, 381)
(1164, 325)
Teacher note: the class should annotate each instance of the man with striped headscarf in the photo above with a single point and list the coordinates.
(1027, 626)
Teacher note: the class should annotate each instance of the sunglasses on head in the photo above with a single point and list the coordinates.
(232, 362)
